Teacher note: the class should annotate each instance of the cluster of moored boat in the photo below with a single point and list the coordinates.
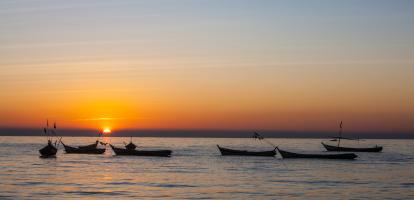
(288, 154)
(130, 149)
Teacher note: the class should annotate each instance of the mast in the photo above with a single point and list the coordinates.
(54, 132)
(340, 134)
(48, 134)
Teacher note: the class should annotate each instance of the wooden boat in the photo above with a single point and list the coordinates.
(88, 149)
(130, 146)
(133, 152)
(232, 152)
(351, 149)
(287, 154)
(48, 151)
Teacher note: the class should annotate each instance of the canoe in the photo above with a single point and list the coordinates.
(89, 149)
(336, 148)
(48, 151)
(232, 152)
(133, 152)
(287, 154)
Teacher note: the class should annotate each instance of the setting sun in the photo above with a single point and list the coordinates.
(106, 130)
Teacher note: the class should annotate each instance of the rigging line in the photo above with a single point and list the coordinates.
(276, 148)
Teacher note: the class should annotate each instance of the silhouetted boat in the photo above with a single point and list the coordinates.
(133, 152)
(233, 152)
(49, 150)
(130, 146)
(88, 149)
(349, 149)
(287, 154)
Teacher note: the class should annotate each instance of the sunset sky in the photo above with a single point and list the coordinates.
(206, 64)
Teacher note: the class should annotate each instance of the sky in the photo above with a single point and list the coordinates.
(208, 64)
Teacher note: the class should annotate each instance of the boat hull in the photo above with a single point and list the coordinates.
(48, 151)
(349, 149)
(75, 150)
(232, 152)
(347, 156)
(132, 152)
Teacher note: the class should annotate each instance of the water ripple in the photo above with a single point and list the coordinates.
(197, 171)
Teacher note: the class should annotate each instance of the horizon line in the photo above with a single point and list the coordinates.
(209, 133)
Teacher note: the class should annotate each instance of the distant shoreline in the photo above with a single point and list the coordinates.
(206, 134)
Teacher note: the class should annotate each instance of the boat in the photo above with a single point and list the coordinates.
(130, 146)
(376, 148)
(351, 149)
(287, 154)
(88, 149)
(233, 152)
(49, 150)
(134, 152)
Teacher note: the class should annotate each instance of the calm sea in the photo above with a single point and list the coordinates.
(197, 171)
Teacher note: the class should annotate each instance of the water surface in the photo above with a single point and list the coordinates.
(197, 171)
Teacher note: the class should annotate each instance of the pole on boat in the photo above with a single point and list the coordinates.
(256, 135)
(54, 132)
(259, 137)
(130, 141)
(47, 130)
(57, 142)
(340, 134)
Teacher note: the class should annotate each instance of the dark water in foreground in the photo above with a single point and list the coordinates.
(197, 171)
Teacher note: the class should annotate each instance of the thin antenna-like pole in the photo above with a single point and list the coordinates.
(54, 132)
(47, 130)
(340, 133)
(258, 136)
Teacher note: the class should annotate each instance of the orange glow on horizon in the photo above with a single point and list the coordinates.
(175, 72)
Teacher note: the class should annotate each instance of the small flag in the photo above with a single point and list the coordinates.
(54, 125)
(340, 125)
